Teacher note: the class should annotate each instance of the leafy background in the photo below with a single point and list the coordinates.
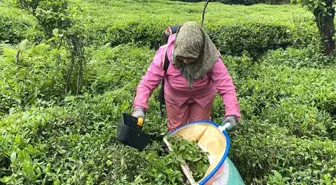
(49, 135)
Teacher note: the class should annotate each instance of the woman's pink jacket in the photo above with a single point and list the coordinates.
(176, 85)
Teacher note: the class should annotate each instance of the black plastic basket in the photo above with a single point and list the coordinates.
(129, 133)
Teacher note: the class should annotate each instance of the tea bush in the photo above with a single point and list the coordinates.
(76, 143)
(254, 38)
(287, 96)
(233, 31)
(301, 119)
(113, 68)
(231, 39)
(39, 72)
(293, 97)
(14, 24)
(243, 2)
(251, 2)
(260, 147)
(310, 56)
(29, 73)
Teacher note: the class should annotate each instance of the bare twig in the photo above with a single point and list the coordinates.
(17, 57)
(205, 6)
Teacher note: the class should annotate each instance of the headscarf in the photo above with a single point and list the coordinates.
(192, 42)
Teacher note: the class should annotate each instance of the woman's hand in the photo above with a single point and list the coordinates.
(233, 123)
(138, 112)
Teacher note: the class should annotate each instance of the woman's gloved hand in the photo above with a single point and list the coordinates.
(233, 123)
(138, 112)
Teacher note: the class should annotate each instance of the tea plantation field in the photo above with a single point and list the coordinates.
(68, 69)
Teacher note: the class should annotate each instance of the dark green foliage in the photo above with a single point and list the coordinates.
(251, 2)
(28, 74)
(49, 14)
(242, 2)
(255, 38)
(309, 57)
(286, 92)
(13, 25)
(261, 147)
(190, 153)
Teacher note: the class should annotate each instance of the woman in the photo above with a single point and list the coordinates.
(195, 74)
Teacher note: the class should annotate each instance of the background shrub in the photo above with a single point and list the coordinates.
(14, 24)
(285, 90)
(260, 148)
(232, 31)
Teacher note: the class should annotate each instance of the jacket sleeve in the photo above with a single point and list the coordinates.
(224, 85)
(150, 80)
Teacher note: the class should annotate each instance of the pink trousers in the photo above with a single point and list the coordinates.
(187, 113)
